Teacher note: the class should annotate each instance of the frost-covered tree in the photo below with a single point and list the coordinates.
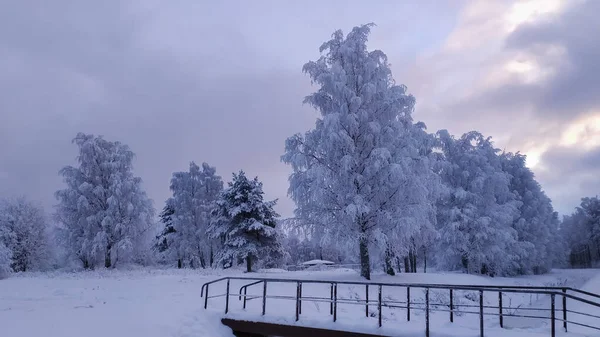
(476, 213)
(165, 238)
(245, 223)
(105, 214)
(306, 241)
(539, 245)
(5, 258)
(24, 231)
(359, 172)
(195, 193)
(581, 230)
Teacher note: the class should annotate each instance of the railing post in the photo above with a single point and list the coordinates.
(564, 303)
(335, 302)
(227, 297)
(481, 313)
(300, 300)
(367, 300)
(552, 315)
(245, 293)
(264, 304)
(500, 309)
(206, 297)
(426, 312)
(451, 306)
(408, 304)
(331, 301)
(297, 301)
(379, 305)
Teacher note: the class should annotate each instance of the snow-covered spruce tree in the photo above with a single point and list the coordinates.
(104, 211)
(195, 193)
(245, 224)
(476, 214)
(358, 171)
(24, 231)
(165, 238)
(539, 246)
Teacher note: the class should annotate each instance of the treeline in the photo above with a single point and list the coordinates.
(368, 176)
(371, 186)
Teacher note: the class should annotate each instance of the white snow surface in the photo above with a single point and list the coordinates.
(158, 302)
(315, 262)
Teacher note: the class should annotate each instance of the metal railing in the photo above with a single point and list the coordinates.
(427, 306)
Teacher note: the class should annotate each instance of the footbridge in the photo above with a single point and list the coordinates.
(303, 307)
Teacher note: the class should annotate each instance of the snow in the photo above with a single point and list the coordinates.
(315, 262)
(155, 302)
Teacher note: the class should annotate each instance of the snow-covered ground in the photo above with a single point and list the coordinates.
(153, 302)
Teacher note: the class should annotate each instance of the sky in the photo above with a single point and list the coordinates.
(221, 82)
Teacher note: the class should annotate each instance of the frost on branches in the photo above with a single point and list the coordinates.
(24, 232)
(581, 230)
(245, 224)
(360, 172)
(5, 259)
(187, 217)
(477, 213)
(104, 212)
(539, 245)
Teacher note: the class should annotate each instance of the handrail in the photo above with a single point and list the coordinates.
(539, 289)
(211, 282)
(553, 292)
(245, 287)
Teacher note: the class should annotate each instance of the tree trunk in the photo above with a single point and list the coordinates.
(248, 263)
(425, 261)
(365, 266)
(212, 256)
(406, 265)
(107, 258)
(202, 261)
(388, 262)
(414, 262)
(398, 264)
(179, 263)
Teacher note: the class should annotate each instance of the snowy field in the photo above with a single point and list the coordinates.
(152, 302)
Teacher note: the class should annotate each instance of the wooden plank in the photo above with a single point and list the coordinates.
(256, 329)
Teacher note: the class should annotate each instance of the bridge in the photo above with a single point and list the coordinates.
(302, 307)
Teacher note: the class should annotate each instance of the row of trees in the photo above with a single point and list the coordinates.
(370, 185)
(206, 225)
(368, 174)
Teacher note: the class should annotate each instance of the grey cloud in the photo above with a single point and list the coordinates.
(570, 174)
(574, 89)
(566, 94)
(219, 82)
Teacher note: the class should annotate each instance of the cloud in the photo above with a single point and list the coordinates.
(219, 82)
(524, 73)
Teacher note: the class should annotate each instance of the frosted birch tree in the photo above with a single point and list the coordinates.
(5, 258)
(105, 214)
(24, 231)
(195, 193)
(476, 214)
(539, 246)
(355, 171)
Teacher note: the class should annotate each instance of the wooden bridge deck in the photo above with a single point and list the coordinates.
(260, 329)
